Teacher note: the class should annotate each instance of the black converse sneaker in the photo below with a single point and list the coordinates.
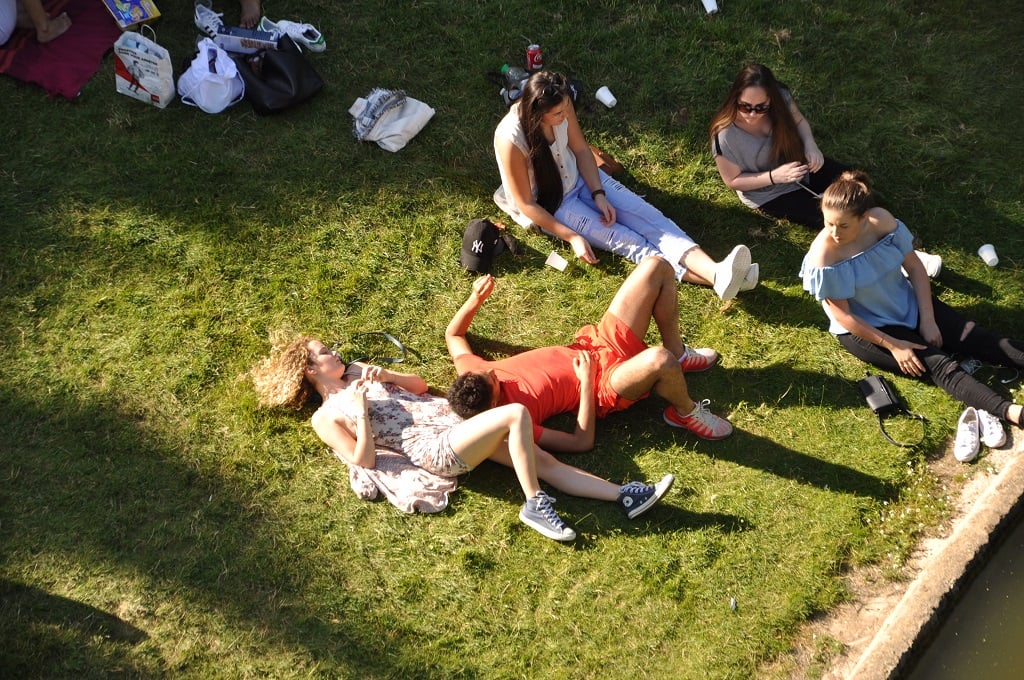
(636, 498)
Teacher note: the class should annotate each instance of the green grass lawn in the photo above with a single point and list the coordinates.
(154, 521)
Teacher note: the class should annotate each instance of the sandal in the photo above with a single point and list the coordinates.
(302, 34)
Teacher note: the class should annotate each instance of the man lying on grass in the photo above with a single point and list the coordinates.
(626, 369)
(365, 408)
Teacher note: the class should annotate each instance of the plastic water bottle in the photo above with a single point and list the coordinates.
(513, 74)
(515, 78)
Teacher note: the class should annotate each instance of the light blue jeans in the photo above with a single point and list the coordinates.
(640, 228)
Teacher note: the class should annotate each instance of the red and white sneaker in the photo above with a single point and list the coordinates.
(697, 359)
(701, 421)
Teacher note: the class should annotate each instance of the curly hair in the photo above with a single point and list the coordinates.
(470, 395)
(280, 379)
(851, 193)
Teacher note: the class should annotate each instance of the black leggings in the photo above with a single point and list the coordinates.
(801, 206)
(942, 369)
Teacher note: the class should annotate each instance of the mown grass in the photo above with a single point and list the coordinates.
(155, 522)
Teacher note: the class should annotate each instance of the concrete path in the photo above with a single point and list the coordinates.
(880, 630)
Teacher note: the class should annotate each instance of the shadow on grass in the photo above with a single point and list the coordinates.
(602, 517)
(760, 453)
(88, 486)
(41, 630)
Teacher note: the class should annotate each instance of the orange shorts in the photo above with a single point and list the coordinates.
(610, 343)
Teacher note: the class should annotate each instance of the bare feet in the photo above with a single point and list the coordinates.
(250, 13)
(54, 28)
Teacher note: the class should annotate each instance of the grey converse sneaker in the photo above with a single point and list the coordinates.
(538, 514)
(636, 498)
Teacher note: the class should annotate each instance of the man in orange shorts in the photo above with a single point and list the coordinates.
(607, 368)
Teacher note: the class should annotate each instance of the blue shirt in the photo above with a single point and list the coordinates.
(872, 282)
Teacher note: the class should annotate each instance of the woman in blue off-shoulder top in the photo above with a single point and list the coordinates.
(855, 267)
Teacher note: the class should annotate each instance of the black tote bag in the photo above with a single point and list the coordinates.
(277, 80)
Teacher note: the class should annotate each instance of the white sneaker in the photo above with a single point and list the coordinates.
(208, 21)
(932, 263)
(992, 433)
(965, 448)
(750, 280)
(304, 35)
(730, 272)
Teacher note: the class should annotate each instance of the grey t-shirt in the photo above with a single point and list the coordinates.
(752, 154)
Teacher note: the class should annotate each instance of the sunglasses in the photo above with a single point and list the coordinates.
(750, 108)
(554, 90)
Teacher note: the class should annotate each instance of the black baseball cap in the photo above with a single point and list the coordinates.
(481, 242)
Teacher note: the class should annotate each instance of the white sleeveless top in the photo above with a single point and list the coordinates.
(509, 130)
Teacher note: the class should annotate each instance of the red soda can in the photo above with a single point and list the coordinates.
(534, 58)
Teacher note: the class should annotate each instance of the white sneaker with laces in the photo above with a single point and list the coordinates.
(208, 21)
(750, 280)
(965, 448)
(992, 433)
(730, 272)
(932, 263)
(304, 35)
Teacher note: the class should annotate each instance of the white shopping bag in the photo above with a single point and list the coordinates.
(212, 82)
(142, 69)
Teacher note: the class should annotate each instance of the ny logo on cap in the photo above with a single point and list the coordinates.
(478, 247)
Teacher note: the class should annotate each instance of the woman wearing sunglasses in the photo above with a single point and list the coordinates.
(364, 408)
(549, 178)
(765, 151)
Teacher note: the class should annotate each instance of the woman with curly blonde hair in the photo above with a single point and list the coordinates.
(365, 407)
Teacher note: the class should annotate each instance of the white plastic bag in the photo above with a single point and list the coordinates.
(389, 117)
(212, 82)
(142, 69)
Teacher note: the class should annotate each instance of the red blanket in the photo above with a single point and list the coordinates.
(63, 66)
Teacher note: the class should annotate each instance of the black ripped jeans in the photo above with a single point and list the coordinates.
(942, 369)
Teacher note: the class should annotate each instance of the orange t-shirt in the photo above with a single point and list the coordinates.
(543, 379)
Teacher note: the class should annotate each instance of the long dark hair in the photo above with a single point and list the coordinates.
(543, 91)
(786, 143)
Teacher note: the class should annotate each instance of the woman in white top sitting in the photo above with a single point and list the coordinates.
(549, 178)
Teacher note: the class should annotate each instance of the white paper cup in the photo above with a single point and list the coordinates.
(557, 261)
(711, 6)
(988, 253)
(605, 96)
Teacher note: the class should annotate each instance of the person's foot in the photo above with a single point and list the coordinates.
(697, 359)
(750, 280)
(250, 13)
(966, 444)
(207, 21)
(700, 421)
(55, 28)
(636, 498)
(932, 263)
(730, 272)
(538, 514)
(992, 433)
